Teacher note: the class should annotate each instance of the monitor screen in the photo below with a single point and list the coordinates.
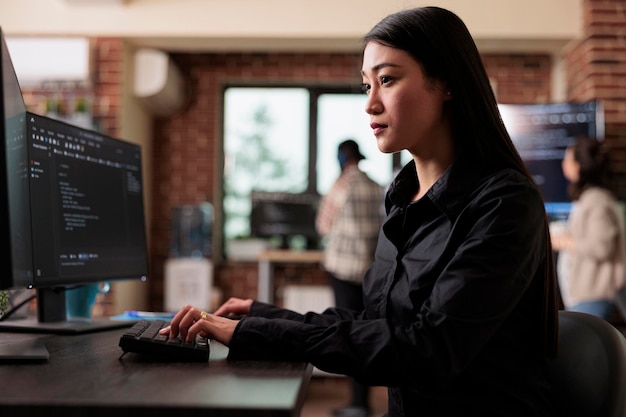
(17, 268)
(541, 133)
(73, 209)
(86, 203)
(284, 215)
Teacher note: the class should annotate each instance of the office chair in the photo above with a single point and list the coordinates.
(589, 372)
(620, 303)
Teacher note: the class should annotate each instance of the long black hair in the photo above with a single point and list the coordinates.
(441, 43)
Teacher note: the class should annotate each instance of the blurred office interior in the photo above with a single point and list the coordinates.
(173, 75)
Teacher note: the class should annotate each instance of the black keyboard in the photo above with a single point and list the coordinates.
(144, 338)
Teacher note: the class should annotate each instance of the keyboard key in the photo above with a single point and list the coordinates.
(144, 338)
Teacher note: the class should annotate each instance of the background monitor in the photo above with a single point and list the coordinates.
(72, 210)
(541, 133)
(284, 215)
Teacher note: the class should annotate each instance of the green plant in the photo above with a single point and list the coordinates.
(81, 105)
(4, 302)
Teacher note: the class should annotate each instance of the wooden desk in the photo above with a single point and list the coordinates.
(268, 258)
(86, 377)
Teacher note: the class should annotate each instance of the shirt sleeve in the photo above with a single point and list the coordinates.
(274, 333)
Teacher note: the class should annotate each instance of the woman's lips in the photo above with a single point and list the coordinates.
(377, 128)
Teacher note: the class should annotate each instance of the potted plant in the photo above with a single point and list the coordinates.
(4, 302)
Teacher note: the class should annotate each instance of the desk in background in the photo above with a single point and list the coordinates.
(86, 377)
(268, 258)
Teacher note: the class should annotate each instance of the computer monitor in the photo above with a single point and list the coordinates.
(14, 184)
(284, 215)
(541, 133)
(72, 210)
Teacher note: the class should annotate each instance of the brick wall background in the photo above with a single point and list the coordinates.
(187, 161)
(596, 69)
(187, 149)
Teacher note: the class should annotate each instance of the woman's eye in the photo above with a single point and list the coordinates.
(384, 79)
(365, 88)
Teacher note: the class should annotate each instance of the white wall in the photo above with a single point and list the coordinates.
(283, 24)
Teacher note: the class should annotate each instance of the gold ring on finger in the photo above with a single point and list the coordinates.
(204, 315)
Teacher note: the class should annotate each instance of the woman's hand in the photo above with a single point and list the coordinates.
(234, 307)
(191, 321)
(560, 239)
(562, 242)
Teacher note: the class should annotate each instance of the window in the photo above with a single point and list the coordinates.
(340, 117)
(265, 148)
(284, 139)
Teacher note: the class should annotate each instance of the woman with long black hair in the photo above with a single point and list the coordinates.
(460, 303)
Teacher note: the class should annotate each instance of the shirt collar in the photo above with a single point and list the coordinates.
(449, 193)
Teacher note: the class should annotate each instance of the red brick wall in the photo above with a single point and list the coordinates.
(519, 78)
(596, 69)
(108, 78)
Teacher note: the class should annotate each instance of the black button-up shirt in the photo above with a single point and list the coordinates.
(454, 303)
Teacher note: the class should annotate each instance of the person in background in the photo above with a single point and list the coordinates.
(591, 246)
(349, 218)
(461, 311)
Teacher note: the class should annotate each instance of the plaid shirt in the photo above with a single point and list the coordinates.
(349, 218)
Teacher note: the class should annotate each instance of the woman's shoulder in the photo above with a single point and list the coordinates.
(511, 191)
(594, 194)
(509, 179)
(596, 199)
(507, 189)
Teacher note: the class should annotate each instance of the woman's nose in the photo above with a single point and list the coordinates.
(373, 104)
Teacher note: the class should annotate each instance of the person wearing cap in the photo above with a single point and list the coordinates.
(349, 219)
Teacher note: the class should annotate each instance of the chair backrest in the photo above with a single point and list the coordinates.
(589, 372)
(620, 302)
